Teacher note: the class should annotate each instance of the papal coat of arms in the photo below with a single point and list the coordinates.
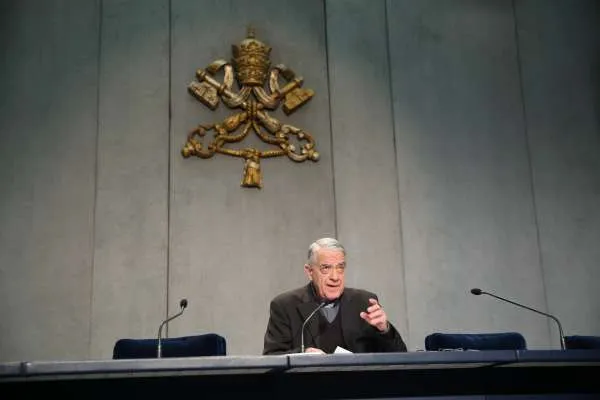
(251, 67)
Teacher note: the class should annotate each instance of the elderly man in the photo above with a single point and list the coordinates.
(333, 315)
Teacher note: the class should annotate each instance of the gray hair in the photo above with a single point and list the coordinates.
(323, 243)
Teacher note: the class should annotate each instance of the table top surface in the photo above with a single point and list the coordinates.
(304, 363)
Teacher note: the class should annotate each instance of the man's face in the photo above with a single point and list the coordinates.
(327, 274)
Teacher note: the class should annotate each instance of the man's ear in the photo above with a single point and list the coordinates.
(308, 271)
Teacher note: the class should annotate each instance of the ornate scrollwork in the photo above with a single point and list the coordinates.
(251, 66)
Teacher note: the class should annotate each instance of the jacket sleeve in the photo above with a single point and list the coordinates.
(391, 341)
(278, 337)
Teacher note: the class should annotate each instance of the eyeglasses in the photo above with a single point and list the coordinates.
(326, 269)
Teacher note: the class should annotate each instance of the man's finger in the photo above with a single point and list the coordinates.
(376, 314)
(314, 350)
(377, 320)
(373, 308)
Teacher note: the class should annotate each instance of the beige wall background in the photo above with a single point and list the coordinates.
(459, 147)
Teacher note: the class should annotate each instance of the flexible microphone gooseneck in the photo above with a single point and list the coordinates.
(183, 304)
(323, 304)
(477, 292)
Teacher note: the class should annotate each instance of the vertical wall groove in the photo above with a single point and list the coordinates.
(335, 212)
(169, 163)
(529, 160)
(95, 197)
(397, 167)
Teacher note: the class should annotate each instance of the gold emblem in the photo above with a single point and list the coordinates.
(251, 66)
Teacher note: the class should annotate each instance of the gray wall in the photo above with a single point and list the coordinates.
(459, 147)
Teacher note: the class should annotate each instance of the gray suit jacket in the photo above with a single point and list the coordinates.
(289, 310)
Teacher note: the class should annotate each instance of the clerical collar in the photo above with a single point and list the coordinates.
(330, 310)
(333, 303)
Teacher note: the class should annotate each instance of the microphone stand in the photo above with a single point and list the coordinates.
(323, 304)
(560, 330)
(183, 305)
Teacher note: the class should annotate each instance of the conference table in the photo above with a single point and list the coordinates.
(510, 374)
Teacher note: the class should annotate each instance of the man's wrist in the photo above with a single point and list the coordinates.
(386, 329)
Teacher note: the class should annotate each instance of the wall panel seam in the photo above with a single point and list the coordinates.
(100, 9)
(331, 141)
(396, 165)
(529, 160)
(169, 160)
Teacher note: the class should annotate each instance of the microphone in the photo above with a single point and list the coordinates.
(323, 304)
(183, 304)
(477, 292)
